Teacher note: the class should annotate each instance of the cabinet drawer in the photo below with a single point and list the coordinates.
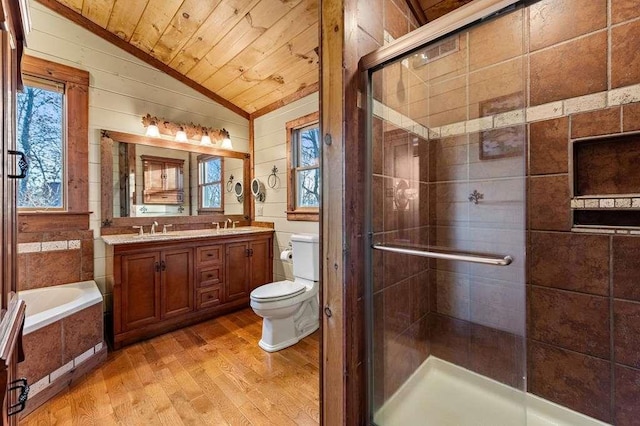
(210, 276)
(210, 255)
(209, 297)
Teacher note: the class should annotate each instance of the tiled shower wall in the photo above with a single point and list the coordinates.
(580, 65)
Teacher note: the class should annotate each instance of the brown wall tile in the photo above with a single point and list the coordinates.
(625, 55)
(499, 84)
(570, 261)
(488, 44)
(43, 352)
(631, 117)
(52, 268)
(370, 16)
(582, 62)
(497, 354)
(627, 409)
(570, 320)
(450, 339)
(626, 321)
(626, 268)
(623, 10)
(448, 159)
(594, 123)
(549, 203)
(553, 21)
(548, 146)
(577, 381)
(395, 22)
(82, 331)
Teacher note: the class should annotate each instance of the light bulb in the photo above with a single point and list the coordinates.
(181, 135)
(153, 131)
(226, 141)
(205, 140)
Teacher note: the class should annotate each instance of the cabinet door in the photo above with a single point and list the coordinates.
(173, 176)
(140, 290)
(237, 279)
(153, 176)
(260, 263)
(177, 282)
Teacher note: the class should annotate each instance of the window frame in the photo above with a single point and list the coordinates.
(76, 112)
(295, 213)
(201, 160)
(41, 82)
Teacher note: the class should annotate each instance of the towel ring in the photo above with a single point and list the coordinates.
(273, 179)
(230, 184)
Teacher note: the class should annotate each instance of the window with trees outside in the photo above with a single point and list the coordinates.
(41, 136)
(210, 173)
(304, 185)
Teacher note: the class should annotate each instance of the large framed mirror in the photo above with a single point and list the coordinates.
(146, 179)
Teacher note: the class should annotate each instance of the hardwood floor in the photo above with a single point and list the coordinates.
(212, 373)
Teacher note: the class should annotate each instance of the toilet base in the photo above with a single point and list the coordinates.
(280, 333)
(285, 344)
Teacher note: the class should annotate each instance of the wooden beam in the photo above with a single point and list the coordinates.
(312, 88)
(96, 29)
(417, 12)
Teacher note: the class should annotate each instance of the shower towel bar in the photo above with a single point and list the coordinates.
(466, 257)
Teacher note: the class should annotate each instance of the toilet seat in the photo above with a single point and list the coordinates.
(279, 290)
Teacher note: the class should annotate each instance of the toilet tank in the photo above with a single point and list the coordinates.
(306, 256)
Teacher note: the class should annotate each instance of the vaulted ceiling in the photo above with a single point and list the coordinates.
(245, 54)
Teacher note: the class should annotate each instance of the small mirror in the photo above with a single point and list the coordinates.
(238, 189)
(257, 190)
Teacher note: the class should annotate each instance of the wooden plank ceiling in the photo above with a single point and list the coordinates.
(247, 53)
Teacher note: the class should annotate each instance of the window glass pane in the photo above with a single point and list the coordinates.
(212, 170)
(212, 196)
(40, 137)
(308, 188)
(308, 147)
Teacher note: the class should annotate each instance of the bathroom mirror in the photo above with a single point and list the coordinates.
(238, 189)
(257, 190)
(149, 177)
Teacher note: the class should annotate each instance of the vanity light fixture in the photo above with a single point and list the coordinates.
(181, 135)
(226, 141)
(187, 132)
(152, 130)
(206, 140)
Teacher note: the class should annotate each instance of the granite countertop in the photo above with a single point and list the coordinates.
(181, 235)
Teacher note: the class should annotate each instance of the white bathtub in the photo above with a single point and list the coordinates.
(49, 304)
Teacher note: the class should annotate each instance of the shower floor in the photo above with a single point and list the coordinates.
(442, 394)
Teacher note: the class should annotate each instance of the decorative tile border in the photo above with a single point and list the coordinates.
(595, 101)
(603, 203)
(49, 246)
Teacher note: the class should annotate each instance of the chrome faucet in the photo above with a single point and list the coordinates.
(217, 224)
(234, 224)
(140, 230)
(226, 222)
(153, 227)
(164, 228)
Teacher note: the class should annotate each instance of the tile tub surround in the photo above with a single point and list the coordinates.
(54, 348)
(51, 258)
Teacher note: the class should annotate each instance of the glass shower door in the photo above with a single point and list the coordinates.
(446, 293)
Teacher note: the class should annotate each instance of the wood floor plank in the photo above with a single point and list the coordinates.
(212, 373)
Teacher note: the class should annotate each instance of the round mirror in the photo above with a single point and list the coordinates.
(238, 189)
(257, 190)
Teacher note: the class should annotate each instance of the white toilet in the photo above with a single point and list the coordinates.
(290, 308)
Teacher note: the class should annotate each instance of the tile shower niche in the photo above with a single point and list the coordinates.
(606, 182)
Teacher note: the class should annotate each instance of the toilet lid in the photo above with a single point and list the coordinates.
(277, 290)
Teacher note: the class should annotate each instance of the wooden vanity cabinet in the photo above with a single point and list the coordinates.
(249, 266)
(156, 285)
(164, 285)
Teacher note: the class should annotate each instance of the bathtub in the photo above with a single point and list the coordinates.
(50, 304)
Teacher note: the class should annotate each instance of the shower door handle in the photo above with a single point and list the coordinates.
(463, 257)
(23, 164)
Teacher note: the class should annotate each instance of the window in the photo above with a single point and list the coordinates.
(41, 136)
(304, 186)
(210, 195)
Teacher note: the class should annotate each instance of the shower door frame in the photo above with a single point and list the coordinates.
(466, 16)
